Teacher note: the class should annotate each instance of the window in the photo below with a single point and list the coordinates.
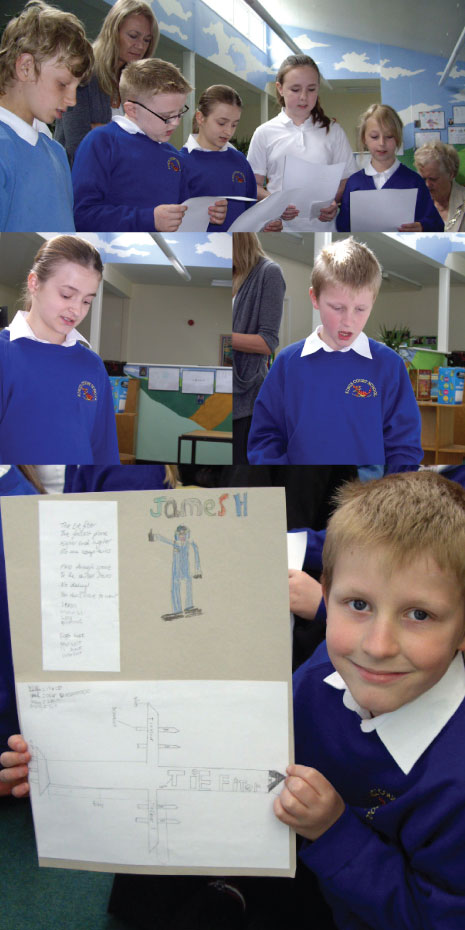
(238, 14)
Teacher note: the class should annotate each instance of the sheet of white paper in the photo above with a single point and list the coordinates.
(223, 383)
(196, 381)
(158, 773)
(322, 181)
(196, 218)
(317, 207)
(163, 378)
(382, 211)
(79, 585)
(256, 217)
(296, 547)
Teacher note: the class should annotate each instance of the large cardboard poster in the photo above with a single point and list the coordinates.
(152, 657)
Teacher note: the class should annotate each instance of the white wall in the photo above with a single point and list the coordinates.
(158, 330)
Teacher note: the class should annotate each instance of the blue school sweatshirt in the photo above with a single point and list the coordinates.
(55, 404)
(403, 178)
(115, 478)
(394, 859)
(11, 484)
(35, 184)
(219, 174)
(120, 177)
(336, 407)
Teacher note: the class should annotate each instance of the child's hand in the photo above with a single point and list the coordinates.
(273, 226)
(217, 212)
(308, 802)
(13, 777)
(328, 213)
(304, 594)
(167, 217)
(411, 227)
(290, 212)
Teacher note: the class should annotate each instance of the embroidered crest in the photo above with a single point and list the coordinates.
(381, 797)
(239, 176)
(174, 164)
(87, 391)
(361, 388)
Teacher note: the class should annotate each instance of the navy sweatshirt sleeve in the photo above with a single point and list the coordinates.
(268, 438)
(402, 424)
(104, 438)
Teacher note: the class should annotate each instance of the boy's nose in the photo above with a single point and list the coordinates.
(70, 96)
(380, 640)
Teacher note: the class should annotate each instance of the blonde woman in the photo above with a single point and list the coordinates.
(438, 163)
(129, 32)
(258, 293)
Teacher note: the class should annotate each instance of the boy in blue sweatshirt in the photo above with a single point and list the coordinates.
(126, 175)
(378, 791)
(338, 396)
(44, 55)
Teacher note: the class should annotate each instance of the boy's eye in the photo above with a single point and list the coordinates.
(417, 614)
(358, 604)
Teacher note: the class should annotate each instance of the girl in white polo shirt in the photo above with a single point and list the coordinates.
(301, 129)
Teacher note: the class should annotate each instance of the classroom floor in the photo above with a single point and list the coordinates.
(45, 899)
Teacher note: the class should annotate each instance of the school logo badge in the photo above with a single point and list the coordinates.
(239, 176)
(87, 391)
(380, 797)
(361, 388)
(174, 164)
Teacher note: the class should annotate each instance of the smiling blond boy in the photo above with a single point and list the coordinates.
(338, 396)
(379, 791)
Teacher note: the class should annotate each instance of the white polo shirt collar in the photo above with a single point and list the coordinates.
(313, 343)
(380, 177)
(192, 143)
(127, 124)
(19, 329)
(408, 731)
(286, 120)
(20, 127)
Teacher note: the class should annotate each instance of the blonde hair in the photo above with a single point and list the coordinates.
(57, 250)
(347, 263)
(302, 61)
(444, 154)
(172, 478)
(386, 117)
(151, 76)
(217, 93)
(247, 251)
(44, 32)
(106, 45)
(408, 514)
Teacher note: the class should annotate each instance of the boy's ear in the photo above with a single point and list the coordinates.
(130, 110)
(313, 298)
(25, 67)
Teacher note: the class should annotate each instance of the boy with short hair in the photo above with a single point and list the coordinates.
(44, 55)
(382, 809)
(338, 396)
(126, 175)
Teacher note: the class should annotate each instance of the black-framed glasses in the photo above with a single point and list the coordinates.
(165, 119)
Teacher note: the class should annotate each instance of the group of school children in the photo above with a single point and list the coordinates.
(376, 796)
(126, 176)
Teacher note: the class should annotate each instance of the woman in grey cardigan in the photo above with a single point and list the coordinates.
(129, 32)
(258, 293)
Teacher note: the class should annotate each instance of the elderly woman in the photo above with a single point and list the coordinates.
(129, 32)
(438, 165)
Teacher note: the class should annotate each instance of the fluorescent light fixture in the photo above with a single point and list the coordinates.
(393, 274)
(452, 58)
(171, 256)
(220, 282)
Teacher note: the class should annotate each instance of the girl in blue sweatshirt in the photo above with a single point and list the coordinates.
(55, 395)
(380, 132)
(215, 166)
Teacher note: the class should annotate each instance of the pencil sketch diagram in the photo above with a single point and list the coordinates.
(185, 567)
(155, 793)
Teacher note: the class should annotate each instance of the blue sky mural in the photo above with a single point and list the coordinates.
(434, 245)
(207, 250)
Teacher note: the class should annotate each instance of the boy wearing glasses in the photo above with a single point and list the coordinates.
(126, 175)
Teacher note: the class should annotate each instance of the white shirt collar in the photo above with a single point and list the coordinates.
(383, 176)
(192, 143)
(127, 124)
(408, 731)
(20, 127)
(19, 329)
(313, 343)
(286, 120)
